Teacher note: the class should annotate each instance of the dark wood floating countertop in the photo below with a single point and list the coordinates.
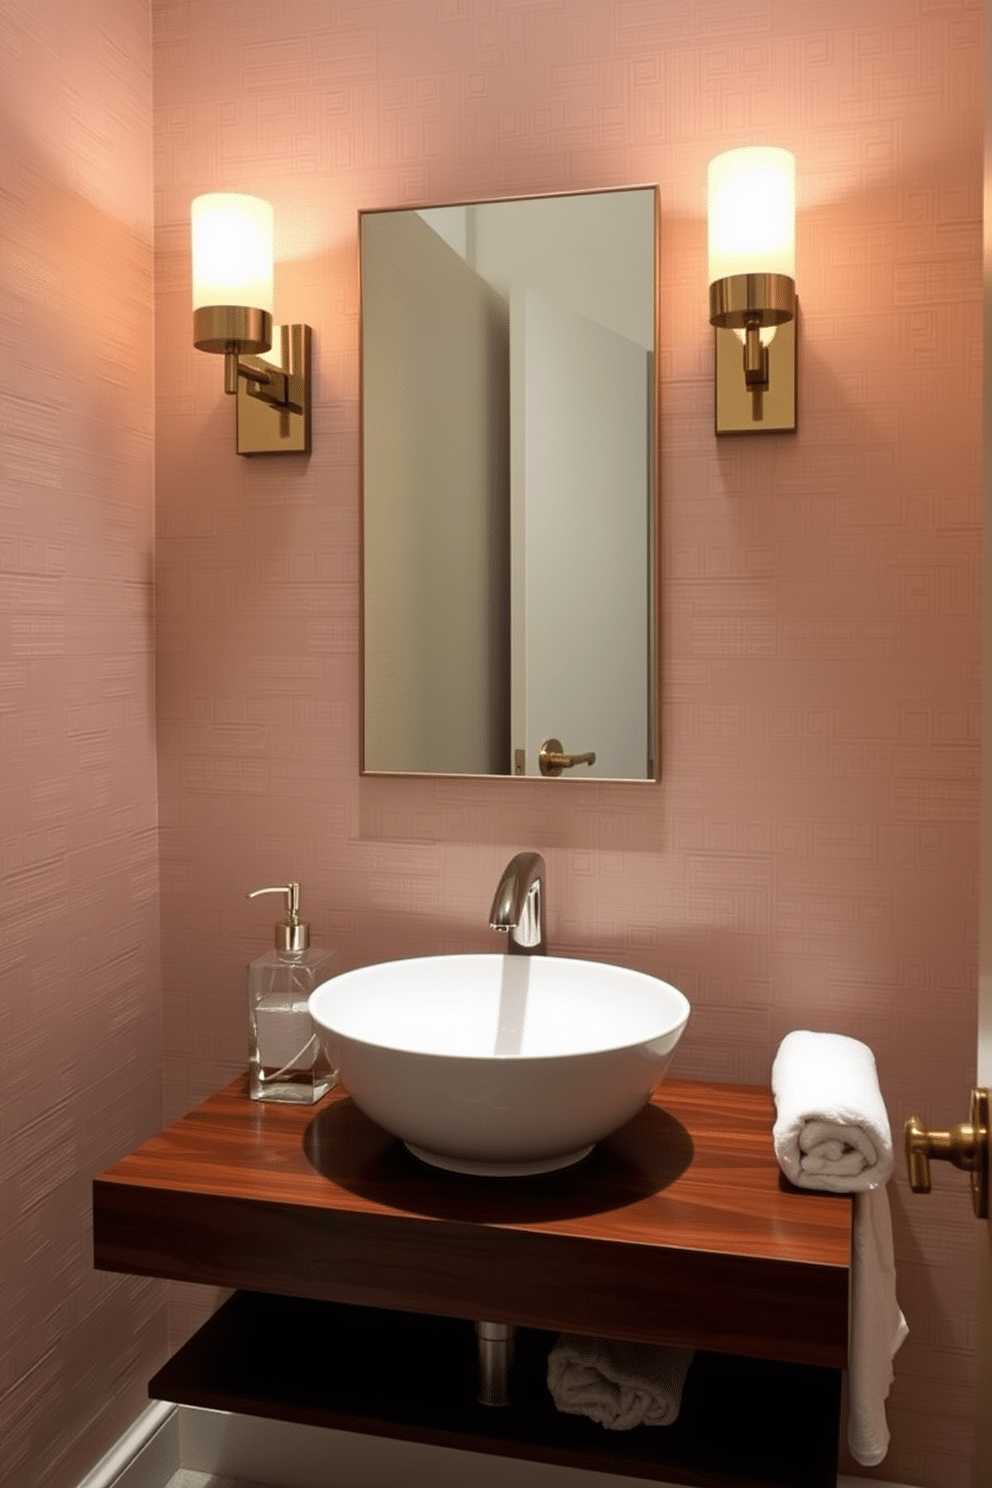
(678, 1229)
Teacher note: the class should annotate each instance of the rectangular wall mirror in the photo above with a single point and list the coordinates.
(510, 487)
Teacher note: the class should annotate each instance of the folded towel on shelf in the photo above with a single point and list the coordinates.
(832, 1132)
(831, 1128)
(618, 1384)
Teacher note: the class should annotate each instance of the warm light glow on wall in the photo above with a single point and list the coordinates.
(232, 240)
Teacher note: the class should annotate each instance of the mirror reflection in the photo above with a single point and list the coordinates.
(508, 395)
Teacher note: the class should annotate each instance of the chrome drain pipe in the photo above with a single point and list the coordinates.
(495, 1357)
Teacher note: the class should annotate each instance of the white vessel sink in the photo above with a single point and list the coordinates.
(495, 1064)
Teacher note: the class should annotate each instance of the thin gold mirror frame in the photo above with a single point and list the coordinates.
(375, 516)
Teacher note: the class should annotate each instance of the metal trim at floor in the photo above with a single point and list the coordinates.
(145, 1456)
(172, 1446)
(282, 1454)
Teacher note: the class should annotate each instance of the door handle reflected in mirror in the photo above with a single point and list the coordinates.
(965, 1145)
(553, 760)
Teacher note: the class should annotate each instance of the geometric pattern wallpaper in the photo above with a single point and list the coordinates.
(179, 709)
(80, 985)
(809, 857)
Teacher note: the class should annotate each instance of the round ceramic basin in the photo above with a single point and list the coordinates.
(497, 1064)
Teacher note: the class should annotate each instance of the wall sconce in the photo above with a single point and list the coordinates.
(752, 268)
(266, 367)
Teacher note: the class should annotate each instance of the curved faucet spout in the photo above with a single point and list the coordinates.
(518, 905)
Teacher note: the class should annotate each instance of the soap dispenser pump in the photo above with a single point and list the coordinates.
(286, 1059)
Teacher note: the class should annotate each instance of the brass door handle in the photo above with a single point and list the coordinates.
(965, 1145)
(553, 760)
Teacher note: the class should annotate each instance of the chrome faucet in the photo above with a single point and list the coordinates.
(518, 905)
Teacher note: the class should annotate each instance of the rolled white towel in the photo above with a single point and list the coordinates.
(832, 1132)
(618, 1384)
(831, 1129)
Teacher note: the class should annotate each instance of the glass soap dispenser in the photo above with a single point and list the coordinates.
(287, 1061)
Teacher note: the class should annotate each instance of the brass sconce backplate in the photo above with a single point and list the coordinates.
(264, 428)
(735, 404)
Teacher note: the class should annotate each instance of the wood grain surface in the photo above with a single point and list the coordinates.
(678, 1229)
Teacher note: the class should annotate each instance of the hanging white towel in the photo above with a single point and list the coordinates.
(832, 1132)
(877, 1328)
(618, 1384)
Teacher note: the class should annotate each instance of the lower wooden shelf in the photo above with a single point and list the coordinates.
(744, 1423)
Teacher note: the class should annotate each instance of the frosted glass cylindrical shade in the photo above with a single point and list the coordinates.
(752, 213)
(232, 250)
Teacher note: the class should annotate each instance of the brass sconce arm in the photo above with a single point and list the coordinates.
(272, 385)
(239, 334)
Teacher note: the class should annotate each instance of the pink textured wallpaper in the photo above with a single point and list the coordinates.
(809, 857)
(80, 993)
